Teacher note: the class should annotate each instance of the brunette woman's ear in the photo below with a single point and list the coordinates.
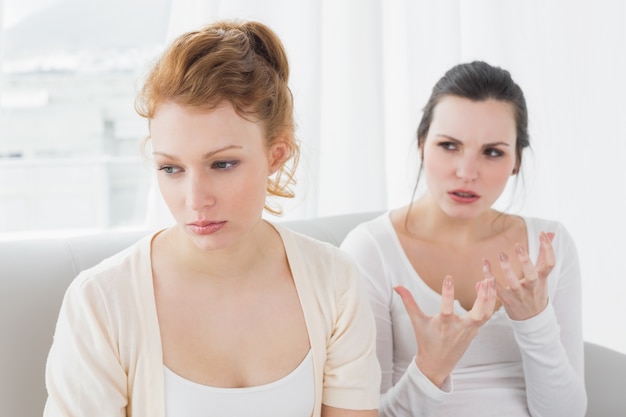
(420, 149)
(518, 164)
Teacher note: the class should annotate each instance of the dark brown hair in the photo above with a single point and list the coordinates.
(479, 81)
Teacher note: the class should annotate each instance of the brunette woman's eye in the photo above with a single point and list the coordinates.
(449, 146)
(494, 153)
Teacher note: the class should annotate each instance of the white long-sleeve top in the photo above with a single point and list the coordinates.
(512, 368)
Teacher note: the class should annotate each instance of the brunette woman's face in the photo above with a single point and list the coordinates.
(213, 168)
(469, 154)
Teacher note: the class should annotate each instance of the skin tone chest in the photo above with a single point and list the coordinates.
(229, 314)
(460, 260)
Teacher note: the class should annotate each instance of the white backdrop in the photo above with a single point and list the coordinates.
(362, 70)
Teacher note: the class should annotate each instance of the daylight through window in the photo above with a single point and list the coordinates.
(69, 135)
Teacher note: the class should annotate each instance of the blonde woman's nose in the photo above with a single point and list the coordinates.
(199, 193)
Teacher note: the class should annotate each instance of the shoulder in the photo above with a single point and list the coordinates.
(303, 247)
(371, 232)
(105, 296)
(544, 224)
(321, 267)
(563, 243)
(536, 225)
(374, 244)
(112, 273)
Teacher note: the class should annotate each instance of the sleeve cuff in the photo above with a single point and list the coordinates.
(426, 385)
(532, 331)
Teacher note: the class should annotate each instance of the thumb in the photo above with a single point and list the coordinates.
(409, 302)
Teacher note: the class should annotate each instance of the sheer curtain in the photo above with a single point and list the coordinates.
(361, 71)
(337, 83)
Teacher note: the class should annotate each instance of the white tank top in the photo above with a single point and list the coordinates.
(290, 396)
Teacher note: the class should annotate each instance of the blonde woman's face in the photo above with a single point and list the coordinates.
(212, 170)
(469, 154)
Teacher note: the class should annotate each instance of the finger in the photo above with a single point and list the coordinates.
(546, 259)
(543, 246)
(447, 296)
(485, 301)
(491, 295)
(485, 295)
(530, 273)
(409, 302)
(502, 292)
(487, 271)
(491, 279)
(509, 275)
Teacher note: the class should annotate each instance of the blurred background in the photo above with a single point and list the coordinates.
(361, 72)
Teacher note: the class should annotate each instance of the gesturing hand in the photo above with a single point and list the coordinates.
(442, 339)
(527, 296)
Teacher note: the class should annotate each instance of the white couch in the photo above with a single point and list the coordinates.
(35, 273)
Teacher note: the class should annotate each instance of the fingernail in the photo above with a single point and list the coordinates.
(504, 257)
(519, 249)
(485, 265)
(447, 282)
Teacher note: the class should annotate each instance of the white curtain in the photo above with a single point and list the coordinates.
(362, 70)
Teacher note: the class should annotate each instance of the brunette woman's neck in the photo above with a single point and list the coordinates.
(424, 220)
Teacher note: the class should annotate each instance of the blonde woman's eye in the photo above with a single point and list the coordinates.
(169, 169)
(224, 164)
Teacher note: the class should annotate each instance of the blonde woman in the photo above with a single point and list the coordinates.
(223, 313)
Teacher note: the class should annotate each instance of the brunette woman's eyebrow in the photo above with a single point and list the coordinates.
(486, 145)
(490, 145)
(448, 138)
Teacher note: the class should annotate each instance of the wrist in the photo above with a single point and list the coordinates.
(434, 374)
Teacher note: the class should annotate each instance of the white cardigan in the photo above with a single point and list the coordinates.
(512, 368)
(106, 358)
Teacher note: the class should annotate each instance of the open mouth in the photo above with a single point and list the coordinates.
(464, 194)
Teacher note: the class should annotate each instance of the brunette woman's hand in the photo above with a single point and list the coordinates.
(527, 296)
(442, 339)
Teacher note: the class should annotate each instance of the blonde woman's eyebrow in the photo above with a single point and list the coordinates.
(222, 149)
(205, 156)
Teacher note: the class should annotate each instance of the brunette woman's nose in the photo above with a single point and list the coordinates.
(467, 169)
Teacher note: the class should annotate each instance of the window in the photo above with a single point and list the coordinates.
(69, 134)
